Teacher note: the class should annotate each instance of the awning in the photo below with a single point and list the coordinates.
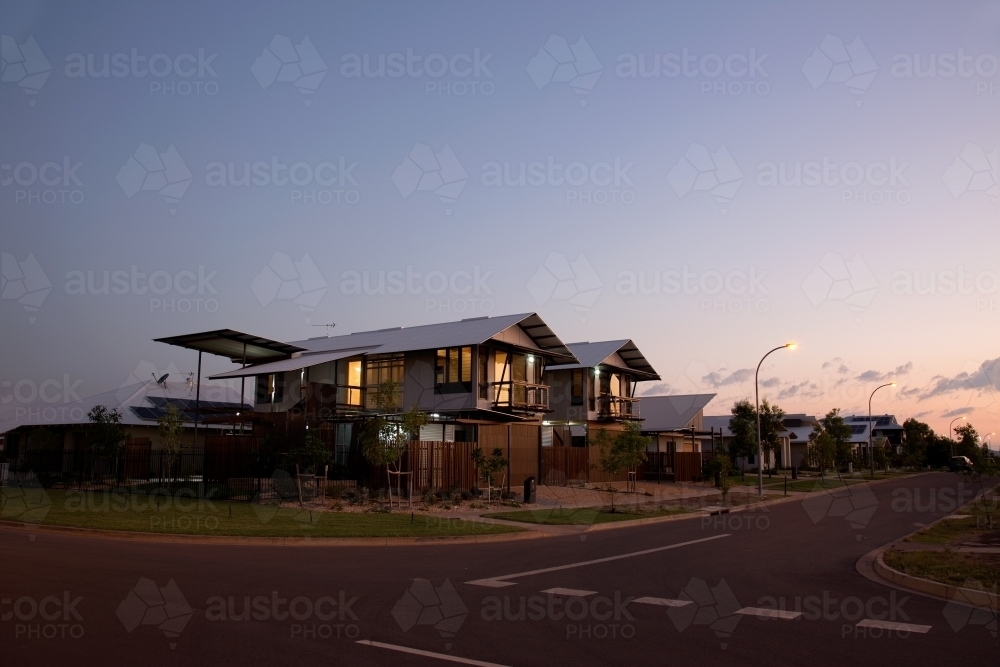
(293, 364)
(232, 344)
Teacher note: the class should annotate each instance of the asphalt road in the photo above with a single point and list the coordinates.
(73, 600)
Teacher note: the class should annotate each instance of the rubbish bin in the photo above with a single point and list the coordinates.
(529, 490)
(795, 472)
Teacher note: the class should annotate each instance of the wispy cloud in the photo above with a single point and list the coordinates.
(878, 376)
(723, 380)
(985, 378)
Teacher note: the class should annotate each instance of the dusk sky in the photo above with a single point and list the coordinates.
(710, 181)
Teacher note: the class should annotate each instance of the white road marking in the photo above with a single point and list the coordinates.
(497, 582)
(663, 602)
(429, 654)
(569, 592)
(890, 625)
(761, 612)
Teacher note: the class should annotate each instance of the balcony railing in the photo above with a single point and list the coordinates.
(522, 396)
(617, 407)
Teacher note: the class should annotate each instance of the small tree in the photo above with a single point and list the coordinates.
(721, 465)
(107, 434)
(490, 467)
(309, 456)
(984, 465)
(383, 439)
(623, 452)
(631, 445)
(771, 426)
(743, 426)
(822, 452)
(840, 433)
(170, 425)
(881, 450)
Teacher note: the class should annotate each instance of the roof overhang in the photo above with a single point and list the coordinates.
(235, 345)
(546, 339)
(296, 362)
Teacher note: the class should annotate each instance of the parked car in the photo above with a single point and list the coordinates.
(960, 463)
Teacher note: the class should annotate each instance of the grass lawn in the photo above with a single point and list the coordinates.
(948, 567)
(955, 531)
(181, 514)
(831, 481)
(583, 516)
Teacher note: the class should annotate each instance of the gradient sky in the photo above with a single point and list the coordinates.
(937, 220)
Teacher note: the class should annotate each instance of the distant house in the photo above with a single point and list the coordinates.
(597, 391)
(63, 428)
(793, 441)
(678, 423)
(884, 426)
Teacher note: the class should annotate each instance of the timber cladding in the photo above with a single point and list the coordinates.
(520, 443)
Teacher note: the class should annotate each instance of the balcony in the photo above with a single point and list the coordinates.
(520, 396)
(614, 408)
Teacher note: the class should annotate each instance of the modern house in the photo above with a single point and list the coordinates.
(598, 390)
(884, 426)
(466, 374)
(793, 440)
(62, 429)
(681, 441)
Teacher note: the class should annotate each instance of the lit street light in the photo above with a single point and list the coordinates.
(871, 450)
(756, 397)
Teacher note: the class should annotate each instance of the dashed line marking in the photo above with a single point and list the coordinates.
(569, 592)
(663, 602)
(761, 612)
(892, 625)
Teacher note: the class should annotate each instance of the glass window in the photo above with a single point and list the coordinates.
(440, 369)
(466, 364)
(453, 369)
(576, 390)
(483, 377)
(270, 388)
(592, 388)
(452, 365)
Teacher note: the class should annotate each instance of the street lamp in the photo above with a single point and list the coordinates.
(951, 432)
(871, 450)
(756, 398)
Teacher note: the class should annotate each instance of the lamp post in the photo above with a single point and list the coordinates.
(756, 398)
(951, 432)
(871, 450)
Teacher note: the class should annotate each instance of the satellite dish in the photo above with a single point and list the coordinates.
(163, 378)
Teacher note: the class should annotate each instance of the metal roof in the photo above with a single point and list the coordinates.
(292, 364)
(230, 343)
(148, 394)
(473, 331)
(591, 355)
(669, 413)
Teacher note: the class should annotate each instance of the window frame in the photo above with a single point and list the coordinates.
(449, 370)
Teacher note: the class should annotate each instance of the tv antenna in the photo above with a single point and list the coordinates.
(328, 327)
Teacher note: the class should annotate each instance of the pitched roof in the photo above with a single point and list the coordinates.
(591, 355)
(472, 331)
(127, 400)
(669, 413)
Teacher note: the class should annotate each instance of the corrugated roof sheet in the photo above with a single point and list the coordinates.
(669, 413)
(595, 354)
(293, 364)
(123, 399)
(473, 331)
